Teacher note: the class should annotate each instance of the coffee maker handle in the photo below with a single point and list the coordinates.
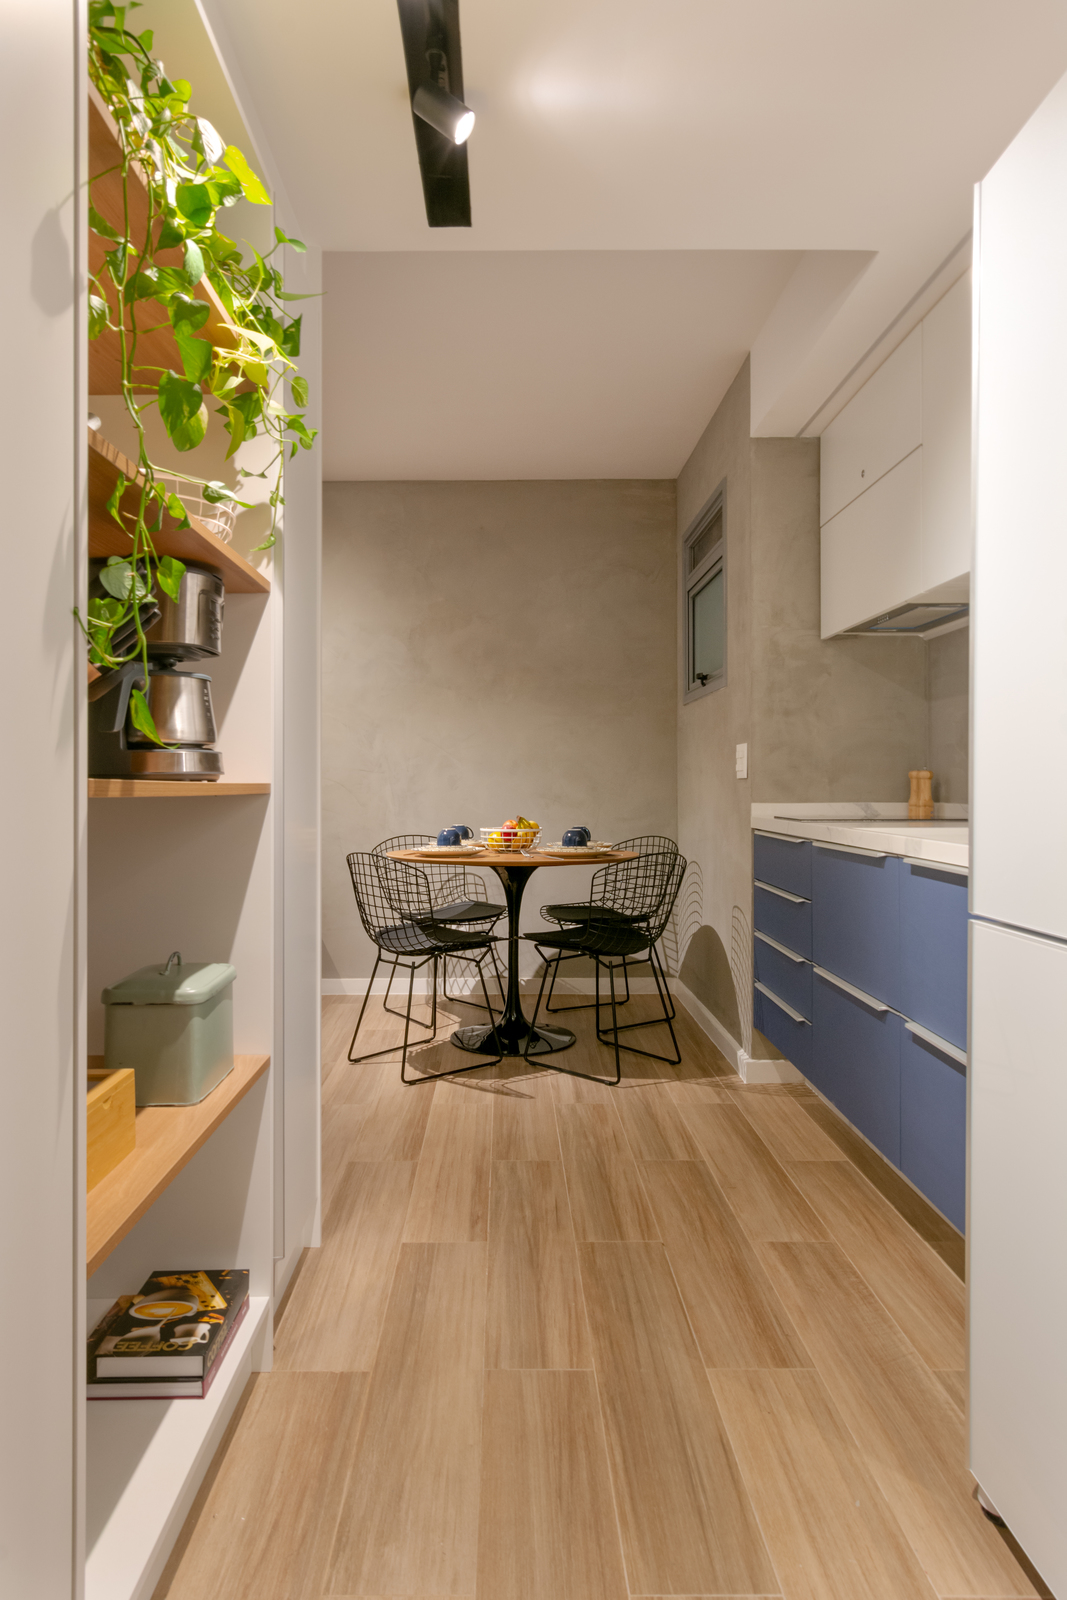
(122, 682)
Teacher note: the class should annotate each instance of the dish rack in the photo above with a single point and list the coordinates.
(218, 517)
(509, 840)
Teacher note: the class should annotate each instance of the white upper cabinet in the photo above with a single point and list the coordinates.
(879, 427)
(890, 535)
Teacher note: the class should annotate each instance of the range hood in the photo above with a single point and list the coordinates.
(920, 617)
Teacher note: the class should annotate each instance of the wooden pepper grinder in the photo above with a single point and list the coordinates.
(921, 798)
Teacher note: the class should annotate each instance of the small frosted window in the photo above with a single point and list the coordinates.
(707, 629)
(704, 566)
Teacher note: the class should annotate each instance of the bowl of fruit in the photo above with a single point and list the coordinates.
(517, 834)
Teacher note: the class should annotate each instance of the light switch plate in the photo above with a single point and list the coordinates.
(741, 761)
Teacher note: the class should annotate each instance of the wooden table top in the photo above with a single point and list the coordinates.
(511, 858)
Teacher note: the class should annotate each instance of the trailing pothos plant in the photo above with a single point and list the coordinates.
(241, 370)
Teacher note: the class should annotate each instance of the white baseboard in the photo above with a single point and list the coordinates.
(749, 1069)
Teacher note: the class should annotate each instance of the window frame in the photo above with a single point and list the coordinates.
(690, 582)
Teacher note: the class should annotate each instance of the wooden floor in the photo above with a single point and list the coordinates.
(561, 1342)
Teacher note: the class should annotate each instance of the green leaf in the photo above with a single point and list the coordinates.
(141, 717)
(187, 314)
(170, 236)
(100, 225)
(299, 387)
(197, 355)
(116, 576)
(191, 433)
(176, 507)
(169, 573)
(283, 238)
(181, 406)
(208, 141)
(97, 316)
(237, 428)
(288, 296)
(291, 339)
(253, 188)
(195, 203)
(194, 261)
(145, 39)
(113, 501)
(183, 89)
(217, 493)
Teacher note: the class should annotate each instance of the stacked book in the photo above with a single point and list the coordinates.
(169, 1339)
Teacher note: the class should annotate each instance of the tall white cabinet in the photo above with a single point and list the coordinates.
(99, 878)
(1017, 1219)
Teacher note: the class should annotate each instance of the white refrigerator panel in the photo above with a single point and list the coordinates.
(1019, 596)
(1017, 1238)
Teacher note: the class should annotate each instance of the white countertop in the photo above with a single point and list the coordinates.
(872, 825)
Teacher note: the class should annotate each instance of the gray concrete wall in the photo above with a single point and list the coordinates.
(948, 670)
(491, 648)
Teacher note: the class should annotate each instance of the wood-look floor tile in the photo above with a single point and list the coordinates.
(607, 1201)
(766, 1202)
(786, 1130)
(955, 1386)
(409, 1514)
(736, 1315)
(908, 1432)
(925, 1299)
(334, 1318)
(654, 1127)
(686, 1520)
(536, 1312)
(394, 1128)
(916, 1211)
(340, 1130)
(699, 1092)
(828, 1528)
(265, 1523)
(450, 1200)
(548, 1529)
(524, 1122)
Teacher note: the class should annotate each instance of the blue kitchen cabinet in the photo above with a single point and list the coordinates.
(933, 949)
(856, 1061)
(933, 1124)
(789, 1033)
(785, 973)
(783, 861)
(783, 915)
(856, 918)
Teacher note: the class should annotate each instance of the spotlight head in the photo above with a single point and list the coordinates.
(443, 112)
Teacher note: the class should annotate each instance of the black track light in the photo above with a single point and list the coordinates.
(443, 112)
(442, 122)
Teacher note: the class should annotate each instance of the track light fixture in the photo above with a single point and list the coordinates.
(442, 123)
(443, 112)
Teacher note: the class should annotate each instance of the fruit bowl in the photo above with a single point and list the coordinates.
(509, 840)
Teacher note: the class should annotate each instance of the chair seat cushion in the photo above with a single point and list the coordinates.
(468, 911)
(581, 911)
(407, 938)
(597, 938)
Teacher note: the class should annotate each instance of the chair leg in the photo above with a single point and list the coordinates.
(452, 1072)
(557, 1066)
(667, 1017)
(372, 1055)
(585, 1005)
(657, 956)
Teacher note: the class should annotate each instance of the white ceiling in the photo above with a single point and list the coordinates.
(687, 126)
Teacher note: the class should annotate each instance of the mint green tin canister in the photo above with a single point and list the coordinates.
(173, 1024)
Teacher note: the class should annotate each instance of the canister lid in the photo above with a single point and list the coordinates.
(171, 983)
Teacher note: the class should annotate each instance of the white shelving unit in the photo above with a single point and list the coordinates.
(97, 880)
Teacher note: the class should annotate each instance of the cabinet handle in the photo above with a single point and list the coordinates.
(937, 866)
(857, 994)
(782, 1005)
(781, 947)
(938, 1043)
(785, 838)
(797, 899)
(850, 849)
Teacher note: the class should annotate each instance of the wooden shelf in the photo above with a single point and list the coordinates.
(167, 1139)
(194, 543)
(169, 789)
(157, 347)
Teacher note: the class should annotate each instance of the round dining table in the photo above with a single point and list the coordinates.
(514, 869)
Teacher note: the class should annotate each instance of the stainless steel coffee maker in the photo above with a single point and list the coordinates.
(188, 629)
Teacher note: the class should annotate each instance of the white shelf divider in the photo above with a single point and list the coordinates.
(145, 1462)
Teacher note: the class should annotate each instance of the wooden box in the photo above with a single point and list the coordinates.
(110, 1122)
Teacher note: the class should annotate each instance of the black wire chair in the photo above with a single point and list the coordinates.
(639, 898)
(577, 913)
(458, 898)
(412, 938)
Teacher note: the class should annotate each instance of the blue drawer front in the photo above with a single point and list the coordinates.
(933, 950)
(933, 1125)
(856, 920)
(788, 921)
(790, 980)
(856, 1064)
(783, 862)
(792, 1038)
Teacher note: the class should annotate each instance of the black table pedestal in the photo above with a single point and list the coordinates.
(513, 1030)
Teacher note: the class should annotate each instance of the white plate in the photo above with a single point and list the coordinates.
(576, 850)
(449, 850)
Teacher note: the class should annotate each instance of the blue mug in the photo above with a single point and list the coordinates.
(462, 829)
(576, 836)
(449, 836)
